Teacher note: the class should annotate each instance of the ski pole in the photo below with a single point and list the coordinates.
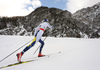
(15, 51)
(39, 46)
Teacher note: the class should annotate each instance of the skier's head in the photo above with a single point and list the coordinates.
(45, 20)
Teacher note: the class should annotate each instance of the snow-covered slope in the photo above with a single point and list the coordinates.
(76, 54)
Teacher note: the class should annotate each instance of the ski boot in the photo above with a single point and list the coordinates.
(40, 55)
(19, 55)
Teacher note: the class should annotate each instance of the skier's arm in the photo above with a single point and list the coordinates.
(49, 26)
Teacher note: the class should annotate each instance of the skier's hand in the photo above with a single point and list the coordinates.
(53, 27)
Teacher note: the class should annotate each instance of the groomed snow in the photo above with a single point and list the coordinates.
(76, 53)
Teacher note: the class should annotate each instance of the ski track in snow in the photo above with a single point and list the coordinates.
(76, 53)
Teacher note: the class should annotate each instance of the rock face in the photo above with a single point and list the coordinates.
(91, 17)
(66, 24)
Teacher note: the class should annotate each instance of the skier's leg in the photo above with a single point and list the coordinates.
(40, 51)
(38, 39)
(29, 46)
(19, 55)
(42, 44)
(32, 44)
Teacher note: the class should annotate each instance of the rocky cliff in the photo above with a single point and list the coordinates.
(83, 23)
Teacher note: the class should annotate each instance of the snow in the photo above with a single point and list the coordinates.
(76, 53)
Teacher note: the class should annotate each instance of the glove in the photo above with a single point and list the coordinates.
(53, 25)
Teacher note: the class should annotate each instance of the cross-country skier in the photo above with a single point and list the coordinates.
(39, 30)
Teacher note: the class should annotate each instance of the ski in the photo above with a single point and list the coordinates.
(16, 64)
(34, 59)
